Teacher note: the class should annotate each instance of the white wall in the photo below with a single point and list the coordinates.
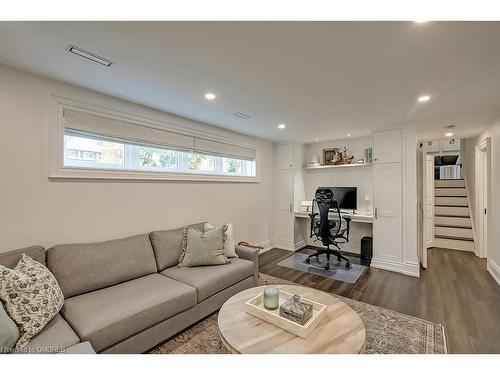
(35, 210)
(494, 212)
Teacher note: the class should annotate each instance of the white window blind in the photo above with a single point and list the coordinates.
(122, 130)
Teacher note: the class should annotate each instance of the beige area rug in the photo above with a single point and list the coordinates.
(387, 332)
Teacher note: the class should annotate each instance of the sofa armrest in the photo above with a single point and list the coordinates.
(252, 255)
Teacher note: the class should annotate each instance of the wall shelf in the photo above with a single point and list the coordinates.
(339, 166)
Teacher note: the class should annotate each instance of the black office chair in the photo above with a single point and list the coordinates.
(329, 232)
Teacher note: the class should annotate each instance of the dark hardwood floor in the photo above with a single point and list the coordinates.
(455, 290)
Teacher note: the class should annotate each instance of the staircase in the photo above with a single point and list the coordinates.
(452, 223)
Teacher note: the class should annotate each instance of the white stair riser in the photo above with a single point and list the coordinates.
(450, 201)
(449, 183)
(450, 192)
(454, 244)
(453, 232)
(453, 221)
(451, 211)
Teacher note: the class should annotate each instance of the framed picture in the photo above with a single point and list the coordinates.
(331, 156)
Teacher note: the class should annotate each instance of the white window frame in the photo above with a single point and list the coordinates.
(58, 171)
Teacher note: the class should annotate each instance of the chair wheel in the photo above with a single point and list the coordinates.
(308, 260)
(348, 265)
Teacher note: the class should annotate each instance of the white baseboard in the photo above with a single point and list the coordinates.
(267, 245)
(407, 268)
(300, 245)
(494, 270)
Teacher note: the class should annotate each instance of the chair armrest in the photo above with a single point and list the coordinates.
(252, 255)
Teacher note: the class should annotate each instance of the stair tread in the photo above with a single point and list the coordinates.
(450, 205)
(454, 238)
(460, 216)
(452, 226)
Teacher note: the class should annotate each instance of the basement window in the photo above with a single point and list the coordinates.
(97, 146)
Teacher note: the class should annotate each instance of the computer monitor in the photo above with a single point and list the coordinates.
(347, 197)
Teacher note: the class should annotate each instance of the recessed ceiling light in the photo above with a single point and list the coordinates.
(450, 134)
(348, 134)
(424, 98)
(210, 96)
(420, 21)
(89, 55)
(281, 126)
(316, 139)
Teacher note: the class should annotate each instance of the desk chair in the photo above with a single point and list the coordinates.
(329, 232)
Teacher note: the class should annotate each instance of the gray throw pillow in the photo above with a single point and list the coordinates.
(9, 333)
(203, 248)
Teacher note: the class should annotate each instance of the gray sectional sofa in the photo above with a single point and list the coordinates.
(128, 295)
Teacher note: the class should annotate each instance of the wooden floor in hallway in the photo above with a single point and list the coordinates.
(455, 290)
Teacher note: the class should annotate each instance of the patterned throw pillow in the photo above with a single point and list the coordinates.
(31, 296)
(203, 248)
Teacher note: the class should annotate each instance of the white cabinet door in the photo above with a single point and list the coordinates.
(387, 147)
(450, 145)
(432, 146)
(387, 197)
(284, 156)
(283, 210)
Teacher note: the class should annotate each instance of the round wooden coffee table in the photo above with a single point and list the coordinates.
(340, 331)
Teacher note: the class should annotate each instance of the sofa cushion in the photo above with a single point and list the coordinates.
(9, 332)
(80, 348)
(81, 268)
(11, 258)
(53, 338)
(107, 316)
(167, 245)
(208, 280)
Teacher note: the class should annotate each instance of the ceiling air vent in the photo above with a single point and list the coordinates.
(241, 115)
(89, 55)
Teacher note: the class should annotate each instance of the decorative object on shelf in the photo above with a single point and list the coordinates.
(331, 156)
(271, 298)
(368, 155)
(361, 161)
(313, 160)
(296, 311)
(337, 156)
(367, 203)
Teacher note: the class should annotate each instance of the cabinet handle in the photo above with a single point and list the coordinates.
(376, 213)
(291, 208)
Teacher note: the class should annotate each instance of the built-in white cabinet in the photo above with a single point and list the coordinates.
(387, 201)
(446, 146)
(450, 145)
(387, 147)
(284, 156)
(387, 224)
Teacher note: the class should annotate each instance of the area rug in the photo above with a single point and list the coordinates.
(387, 332)
(337, 271)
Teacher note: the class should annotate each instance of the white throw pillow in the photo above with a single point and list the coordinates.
(229, 244)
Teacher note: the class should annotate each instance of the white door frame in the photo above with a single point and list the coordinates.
(483, 193)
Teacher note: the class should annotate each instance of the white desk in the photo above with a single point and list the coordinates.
(359, 217)
(361, 225)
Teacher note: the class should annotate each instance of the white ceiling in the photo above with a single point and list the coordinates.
(322, 79)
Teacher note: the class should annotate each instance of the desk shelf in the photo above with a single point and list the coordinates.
(338, 166)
